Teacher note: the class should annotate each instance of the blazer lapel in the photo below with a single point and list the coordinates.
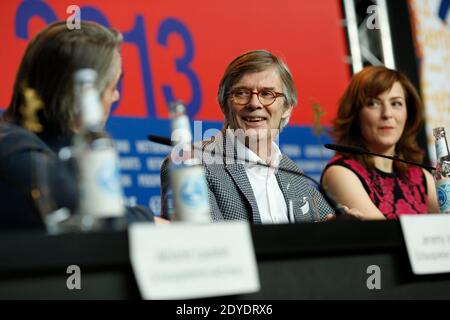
(285, 179)
(284, 183)
(236, 170)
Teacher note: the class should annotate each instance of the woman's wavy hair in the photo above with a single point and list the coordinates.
(48, 65)
(367, 84)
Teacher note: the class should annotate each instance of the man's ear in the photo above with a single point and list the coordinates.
(287, 113)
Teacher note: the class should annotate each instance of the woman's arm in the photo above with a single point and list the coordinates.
(348, 190)
(433, 206)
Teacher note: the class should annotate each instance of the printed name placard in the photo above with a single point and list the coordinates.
(185, 261)
(427, 240)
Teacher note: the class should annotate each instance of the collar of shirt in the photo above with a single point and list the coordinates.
(245, 153)
(269, 198)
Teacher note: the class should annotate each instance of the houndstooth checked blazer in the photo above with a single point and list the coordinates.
(231, 196)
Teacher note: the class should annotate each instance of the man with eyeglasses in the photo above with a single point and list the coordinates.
(248, 176)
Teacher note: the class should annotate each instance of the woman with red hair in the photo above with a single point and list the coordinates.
(381, 112)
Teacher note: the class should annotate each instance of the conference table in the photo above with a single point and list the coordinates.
(331, 260)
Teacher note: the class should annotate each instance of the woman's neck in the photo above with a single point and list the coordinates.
(383, 164)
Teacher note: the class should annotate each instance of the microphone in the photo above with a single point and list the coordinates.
(160, 140)
(338, 209)
(359, 151)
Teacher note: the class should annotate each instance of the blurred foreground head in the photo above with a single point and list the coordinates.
(49, 63)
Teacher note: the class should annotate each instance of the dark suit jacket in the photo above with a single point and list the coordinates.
(231, 196)
(27, 163)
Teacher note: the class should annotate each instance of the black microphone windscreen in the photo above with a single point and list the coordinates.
(161, 140)
(345, 149)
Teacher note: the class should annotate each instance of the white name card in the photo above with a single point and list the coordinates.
(185, 261)
(427, 240)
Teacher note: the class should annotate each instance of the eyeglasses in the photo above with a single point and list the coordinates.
(243, 96)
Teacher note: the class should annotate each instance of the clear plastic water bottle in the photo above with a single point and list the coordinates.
(101, 195)
(187, 175)
(442, 173)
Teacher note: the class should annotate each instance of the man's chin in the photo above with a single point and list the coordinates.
(256, 136)
(252, 134)
(262, 132)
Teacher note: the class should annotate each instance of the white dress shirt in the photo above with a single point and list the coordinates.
(269, 198)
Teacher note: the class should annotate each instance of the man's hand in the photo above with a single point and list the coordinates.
(159, 220)
(353, 213)
(350, 214)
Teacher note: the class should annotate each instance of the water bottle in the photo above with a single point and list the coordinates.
(442, 173)
(101, 196)
(187, 175)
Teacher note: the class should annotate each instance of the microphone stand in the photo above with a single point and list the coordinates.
(401, 160)
(359, 150)
(339, 210)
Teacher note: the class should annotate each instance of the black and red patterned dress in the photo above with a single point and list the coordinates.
(392, 194)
